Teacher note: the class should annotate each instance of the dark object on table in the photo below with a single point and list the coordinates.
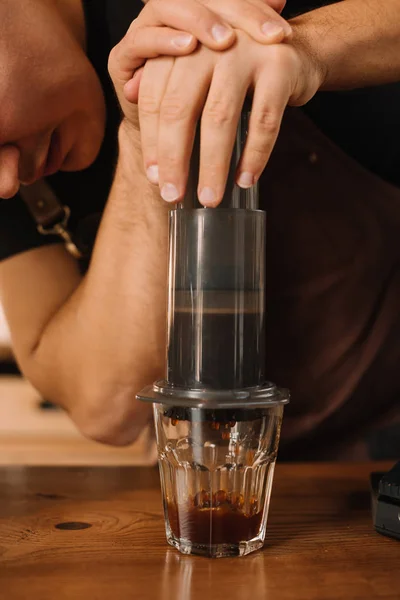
(384, 442)
(386, 488)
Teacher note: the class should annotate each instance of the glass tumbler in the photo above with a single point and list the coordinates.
(216, 471)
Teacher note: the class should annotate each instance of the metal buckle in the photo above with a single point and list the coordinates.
(61, 230)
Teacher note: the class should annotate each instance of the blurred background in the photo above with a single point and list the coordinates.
(34, 432)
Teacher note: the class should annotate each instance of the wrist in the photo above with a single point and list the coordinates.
(133, 199)
(313, 69)
(130, 157)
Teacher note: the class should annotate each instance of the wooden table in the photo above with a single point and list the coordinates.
(321, 543)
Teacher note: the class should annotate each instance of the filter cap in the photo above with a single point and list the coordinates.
(256, 397)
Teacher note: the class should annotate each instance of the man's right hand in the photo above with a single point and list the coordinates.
(174, 28)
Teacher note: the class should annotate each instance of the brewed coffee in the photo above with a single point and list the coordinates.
(224, 357)
(219, 519)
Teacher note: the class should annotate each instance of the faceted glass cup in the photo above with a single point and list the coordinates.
(216, 471)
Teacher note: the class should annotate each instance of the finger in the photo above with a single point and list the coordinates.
(256, 18)
(131, 89)
(180, 109)
(218, 130)
(207, 26)
(151, 42)
(153, 84)
(9, 164)
(277, 5)
(141, 43)
(271, 96)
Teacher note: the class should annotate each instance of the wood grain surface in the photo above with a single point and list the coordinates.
(110, 543)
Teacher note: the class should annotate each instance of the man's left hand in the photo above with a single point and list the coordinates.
(175, 92)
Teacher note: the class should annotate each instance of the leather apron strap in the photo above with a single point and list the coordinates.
(50, 215)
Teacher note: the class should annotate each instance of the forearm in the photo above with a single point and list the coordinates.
(128, 276)
(108, 340)
(355, 43)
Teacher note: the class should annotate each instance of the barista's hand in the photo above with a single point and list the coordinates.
(174, 27)
(174, 92)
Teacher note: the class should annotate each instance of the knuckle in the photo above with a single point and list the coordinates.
(131, 35)
(173, 109)
(219, 113)
(134, 37)
(169, 161)
(266, 121)
(115, 64)
(172, 161)
(212, 167)
(258, 152)
(126, 48)
(148, 105)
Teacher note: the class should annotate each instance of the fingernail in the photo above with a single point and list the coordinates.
(169, 193)
(272, 30)
(287, 29)
(245, 180)
(152, 174)
(221, 33)
(182, 41)
(207, 196)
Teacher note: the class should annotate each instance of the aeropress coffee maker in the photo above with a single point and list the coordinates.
(217, 419)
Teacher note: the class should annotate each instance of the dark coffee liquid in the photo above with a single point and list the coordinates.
(220, 520)
(217, 349)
